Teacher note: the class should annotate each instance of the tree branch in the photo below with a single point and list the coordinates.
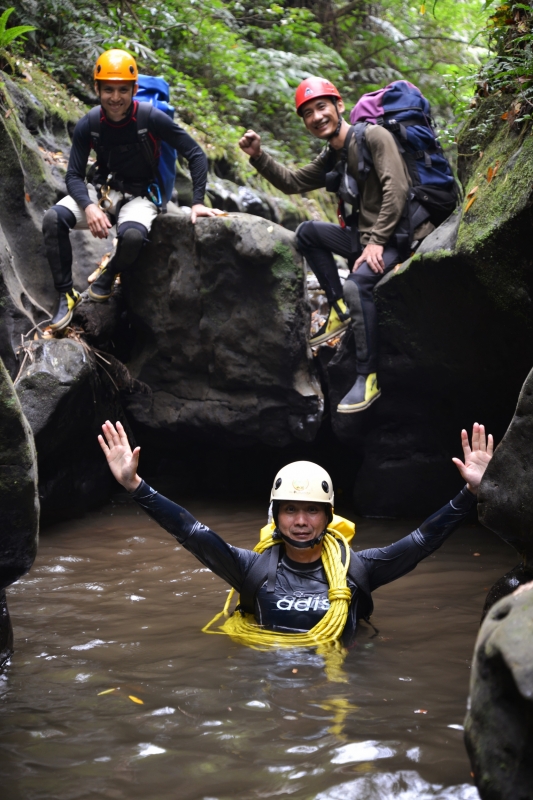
(412, 39)
(341, 12)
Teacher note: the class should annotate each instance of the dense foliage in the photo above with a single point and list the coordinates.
(234, 64)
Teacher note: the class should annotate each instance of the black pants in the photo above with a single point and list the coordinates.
(317, 241)
(57, 224)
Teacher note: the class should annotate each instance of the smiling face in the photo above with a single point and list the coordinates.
(115, 97)
(320, 116)
(300, 520)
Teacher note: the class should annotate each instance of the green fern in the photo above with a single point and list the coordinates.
(8, 35)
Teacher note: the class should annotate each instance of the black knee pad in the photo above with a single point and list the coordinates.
(58, 219)
(304, 234)
(131, 237)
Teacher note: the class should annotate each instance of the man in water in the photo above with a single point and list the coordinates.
(121, 190)
(302, 507)
(370, 243)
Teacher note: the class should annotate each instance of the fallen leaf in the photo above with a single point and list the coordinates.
(496, 168)
(27, 197)
(27, 76)
(136, 699)
(472, 192)
(35, 336)
(504, 116)
(490, 174)
(9, 112)
(295, 670)
(106, 691)
(469, 204)
(477, 554)
(421, 711)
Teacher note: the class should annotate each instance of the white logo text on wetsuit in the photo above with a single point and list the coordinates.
(310, 603)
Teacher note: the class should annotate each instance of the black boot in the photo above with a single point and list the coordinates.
(67, 303)
(102, 288)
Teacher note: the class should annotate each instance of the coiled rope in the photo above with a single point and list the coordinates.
(245, 629)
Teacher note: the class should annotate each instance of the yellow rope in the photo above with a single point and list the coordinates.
(245, 629)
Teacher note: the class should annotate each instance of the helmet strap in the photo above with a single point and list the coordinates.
(339, 123)
(299, 545)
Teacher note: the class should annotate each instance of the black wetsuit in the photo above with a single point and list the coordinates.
(115, 135)
(300, 598)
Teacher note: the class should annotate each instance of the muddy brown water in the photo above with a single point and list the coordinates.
(113, 602)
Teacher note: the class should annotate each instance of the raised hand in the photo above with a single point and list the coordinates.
(122, 461)
(250, 144)
(476, 457)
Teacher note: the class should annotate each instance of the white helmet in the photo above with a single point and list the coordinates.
(303, 480)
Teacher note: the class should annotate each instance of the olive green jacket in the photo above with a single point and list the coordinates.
(382, 195)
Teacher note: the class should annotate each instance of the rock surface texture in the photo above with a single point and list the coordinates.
(19, 505)
(65, 398)
(221, 323)
(499, 723)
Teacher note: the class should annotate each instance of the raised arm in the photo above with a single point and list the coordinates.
(386, 564)
(228, 562)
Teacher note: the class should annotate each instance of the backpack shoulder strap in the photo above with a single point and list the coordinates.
(143, 115)
(364, 156)
(263, 569)
(95, 125)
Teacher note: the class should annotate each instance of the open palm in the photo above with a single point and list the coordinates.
(476, 457)
(123, 462)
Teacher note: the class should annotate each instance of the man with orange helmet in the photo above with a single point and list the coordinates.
(369, 246)
(122, 188)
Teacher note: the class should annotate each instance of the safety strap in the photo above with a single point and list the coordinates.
(142, 116)
(263, 569)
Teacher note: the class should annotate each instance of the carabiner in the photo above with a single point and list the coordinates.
(154, 194)
(104, 195)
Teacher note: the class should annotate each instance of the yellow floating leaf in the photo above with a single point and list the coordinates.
(469, 204)
(136, 699)
(472, 192)
(106, 691)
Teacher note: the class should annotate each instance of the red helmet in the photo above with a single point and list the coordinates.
(312, 88)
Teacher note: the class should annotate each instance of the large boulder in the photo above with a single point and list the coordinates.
(221, 321)
(19, 504)
(66, 397)
(499, 722)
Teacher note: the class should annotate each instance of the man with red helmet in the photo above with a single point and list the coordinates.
(121, 189)
(369, 245)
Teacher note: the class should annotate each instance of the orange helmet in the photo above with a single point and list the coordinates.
(312, 88)
(115, 65)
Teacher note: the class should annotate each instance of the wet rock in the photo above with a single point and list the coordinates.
(18, 501)
(32, 181)
(66, 398)
(221, 322)
(506, 492)
(499, 723)
(506, 585)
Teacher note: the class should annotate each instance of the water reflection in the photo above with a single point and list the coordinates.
(115, 693)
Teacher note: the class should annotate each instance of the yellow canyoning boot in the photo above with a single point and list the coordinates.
(67, 303)
(362, 394)
(337, 322)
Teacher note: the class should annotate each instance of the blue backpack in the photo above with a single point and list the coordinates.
(156, 91)
(403, 110)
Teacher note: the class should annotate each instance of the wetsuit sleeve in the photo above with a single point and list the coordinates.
(312, 176)
(385, 564)
(77, 163)
(229, 563)
(166, 129)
